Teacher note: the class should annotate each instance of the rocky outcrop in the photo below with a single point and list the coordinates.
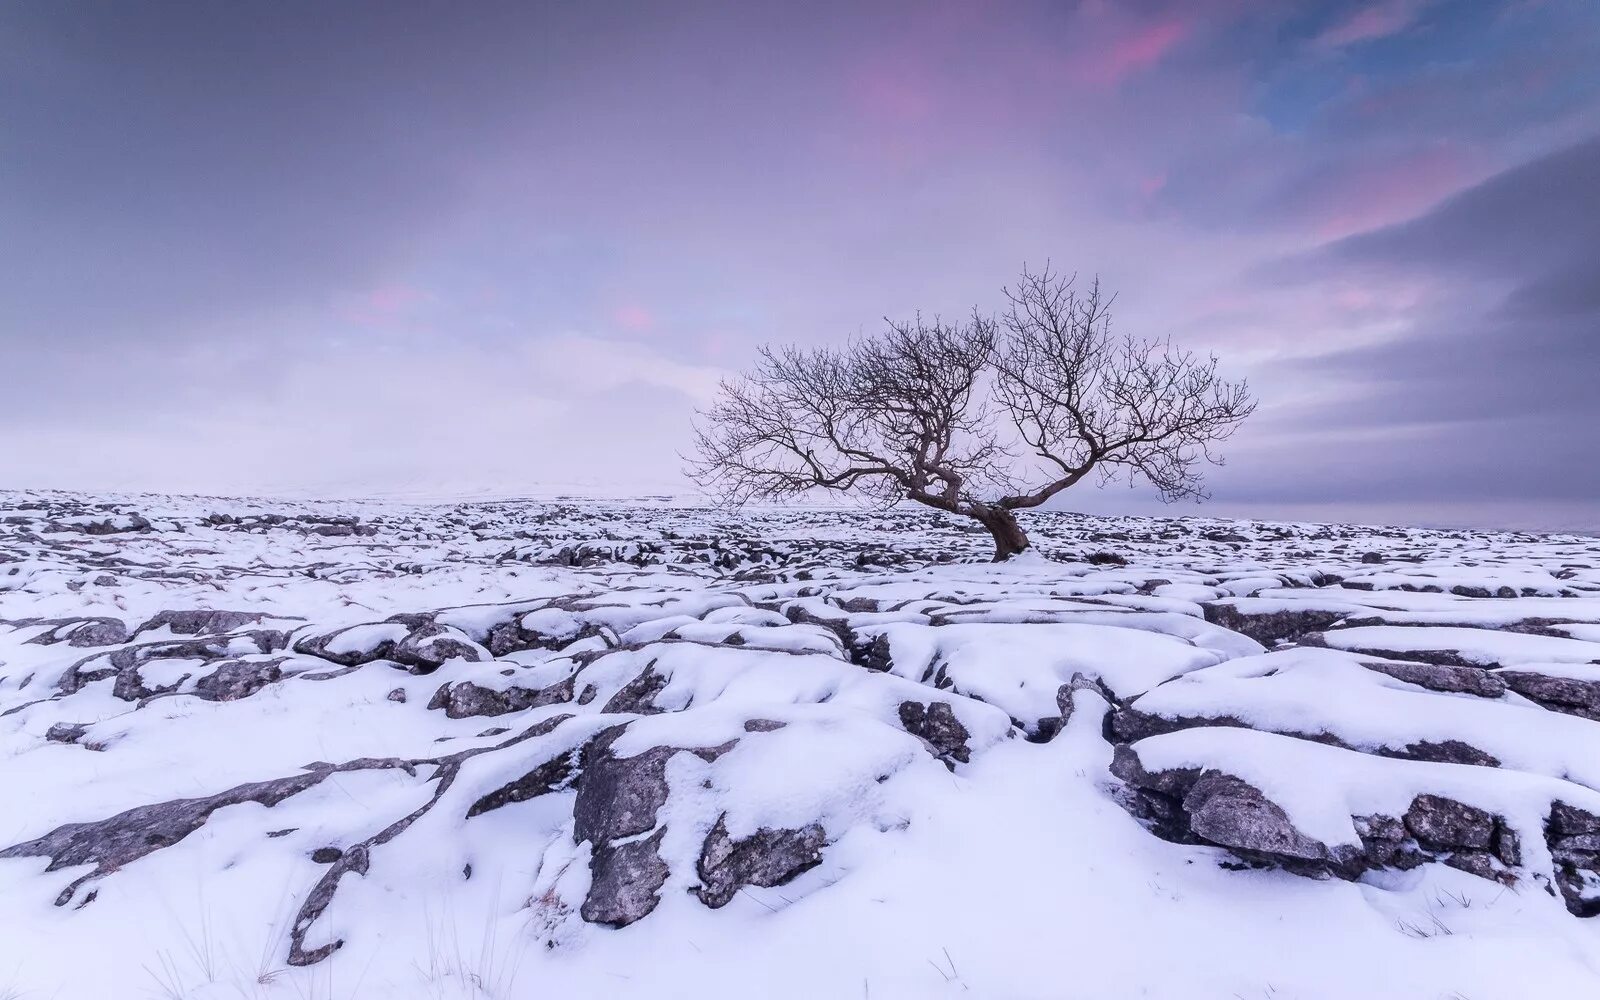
(237, 679)
(637, 697)
(1559, 694)
(1231, 813)
(553, 775)
(730, 636)
(1268, 623)
(429, 646)
(766, 858)
(111, 843)
(464, 699)
(1207, 806)
(1443, 678)
(626, 881)
(936, 725)
(66, 732)
(80, 633)
(201, 621)
(546, 629)
(873, 654)
(1129, 724)
(1573, 836)
(412, 641)
(617, 803)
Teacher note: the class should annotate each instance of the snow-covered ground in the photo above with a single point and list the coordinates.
(608, 749)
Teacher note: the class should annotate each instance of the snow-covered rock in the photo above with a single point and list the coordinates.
(654, 750)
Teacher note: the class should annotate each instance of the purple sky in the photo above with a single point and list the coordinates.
(347, 248)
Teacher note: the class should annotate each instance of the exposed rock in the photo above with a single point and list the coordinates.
(1445, 752)
(66, 732)
(1446, 824)
(464, 699)
(1189, 806)
(1386, 843)
(1507, 845)
(766, 858)
(637, 697)
(80, 633)
(1479, 863)
(429, 646)
(99, 632)
(1129, 725)
(544, 629)
(237, 679)
(1440, 677)
(625, 881)
(1125, 764)
(201, 621)
(619, 796)
(618, 799)
(554, 774)
(936, 724)
(1570, 821)
(1559, 694)
(1270, 627)
(1437, 657)
(873, 654)
(839, 626)
(1228, 811)
(1225, 536)
(317, 645)
(1573, 836)
(111, 843)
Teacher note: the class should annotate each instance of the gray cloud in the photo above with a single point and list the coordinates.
(1492, 390)
(309, 243)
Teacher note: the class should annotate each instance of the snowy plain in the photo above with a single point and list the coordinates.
(294, 749)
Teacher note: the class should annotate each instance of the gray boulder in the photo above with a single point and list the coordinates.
(237, 679)
(1446, 824)
(1443, 678)
(936, 724)
(1559, 694)
(766, 858)
(1228, 811)
(464, 699)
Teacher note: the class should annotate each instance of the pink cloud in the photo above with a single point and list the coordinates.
(899, 106)
(892, 94)
(1388, 192)
(384, 304)
(634, 318)
(1133, 52)
(394, 298)
(1380, 20)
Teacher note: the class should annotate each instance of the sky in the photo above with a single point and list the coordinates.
(428, 248)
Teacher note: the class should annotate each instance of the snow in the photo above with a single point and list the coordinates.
(772, 654)
(1356, 784)
(1020, 670)
(1313, 691)
(1479, 646)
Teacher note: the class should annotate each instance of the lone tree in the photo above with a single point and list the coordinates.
(979, 418)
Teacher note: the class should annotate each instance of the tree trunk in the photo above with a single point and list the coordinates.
(1009, 539)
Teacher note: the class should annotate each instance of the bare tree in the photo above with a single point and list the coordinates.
(918, 413)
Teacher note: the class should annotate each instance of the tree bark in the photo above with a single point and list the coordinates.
(1009, 538)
